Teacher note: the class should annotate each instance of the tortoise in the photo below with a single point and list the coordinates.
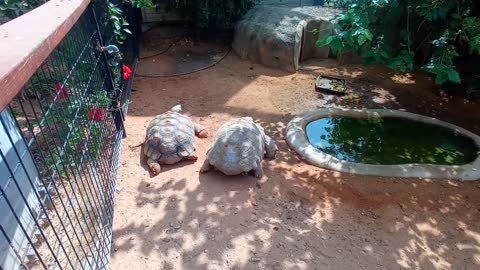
(239, 147)
(170, 139)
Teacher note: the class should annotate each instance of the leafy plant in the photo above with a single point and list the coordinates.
(212, 14)
(400, 34)
(143, 3)
(118, 23)
(89, 111)
(15, 8)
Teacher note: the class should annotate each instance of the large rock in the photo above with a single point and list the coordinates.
(282, 37)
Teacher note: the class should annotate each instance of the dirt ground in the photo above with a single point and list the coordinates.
(297, 216)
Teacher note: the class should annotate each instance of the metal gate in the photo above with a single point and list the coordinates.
(59, 149)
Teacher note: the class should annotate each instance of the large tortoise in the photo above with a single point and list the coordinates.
(239, 147)
(170, 139)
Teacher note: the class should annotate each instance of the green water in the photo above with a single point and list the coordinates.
(390, 141)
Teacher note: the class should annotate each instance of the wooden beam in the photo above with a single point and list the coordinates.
(28, 40)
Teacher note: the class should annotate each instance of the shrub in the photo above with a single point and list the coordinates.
(400, 33)
(14, 8)
(206, 14)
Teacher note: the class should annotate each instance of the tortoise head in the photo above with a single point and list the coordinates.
(247, 118)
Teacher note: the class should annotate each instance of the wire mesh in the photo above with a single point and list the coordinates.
(59, 150)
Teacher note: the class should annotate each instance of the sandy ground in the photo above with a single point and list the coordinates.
(297, 216)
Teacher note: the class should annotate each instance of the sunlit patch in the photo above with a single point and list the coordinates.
(445, 210)
(294, 263)
(379, 100)
(368, 248)
(232, 194)
(476, 258)
(403, 78)
(211, 208)
(428, 228)
(190, 242)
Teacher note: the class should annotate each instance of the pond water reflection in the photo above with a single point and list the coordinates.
(390, 140)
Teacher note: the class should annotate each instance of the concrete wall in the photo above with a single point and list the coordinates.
(8, 258)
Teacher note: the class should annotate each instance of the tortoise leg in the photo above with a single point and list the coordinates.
(258, 171)
(206, 166)
(191, 158)
(270, 147)
(200, 131)
(154, 166)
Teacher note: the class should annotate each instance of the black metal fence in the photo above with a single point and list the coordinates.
(59, 150)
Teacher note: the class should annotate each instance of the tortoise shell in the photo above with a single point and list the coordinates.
(170, 138)
(238, 146)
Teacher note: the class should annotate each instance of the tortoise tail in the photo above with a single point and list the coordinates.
(135, 146)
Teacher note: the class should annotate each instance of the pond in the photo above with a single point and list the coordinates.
(390, 141)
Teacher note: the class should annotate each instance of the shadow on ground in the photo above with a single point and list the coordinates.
(297, 216)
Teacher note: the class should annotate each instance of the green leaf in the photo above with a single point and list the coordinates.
(395, 63)
(128, 31)
(368, 35)
(453, 75)
(384, 54)
(326, 40)
(361, 40)
(337, 46)
(441, 78)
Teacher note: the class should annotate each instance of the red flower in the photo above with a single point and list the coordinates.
(61, 90)
(96, 114)
(127, 71)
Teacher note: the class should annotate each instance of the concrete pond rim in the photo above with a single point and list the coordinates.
(297, 139)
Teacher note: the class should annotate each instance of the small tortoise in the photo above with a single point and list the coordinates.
(239, 147)
(170, 139)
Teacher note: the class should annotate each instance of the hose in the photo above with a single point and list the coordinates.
(184, 73)
(162, 52)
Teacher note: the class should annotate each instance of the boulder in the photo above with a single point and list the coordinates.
(282, 37)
